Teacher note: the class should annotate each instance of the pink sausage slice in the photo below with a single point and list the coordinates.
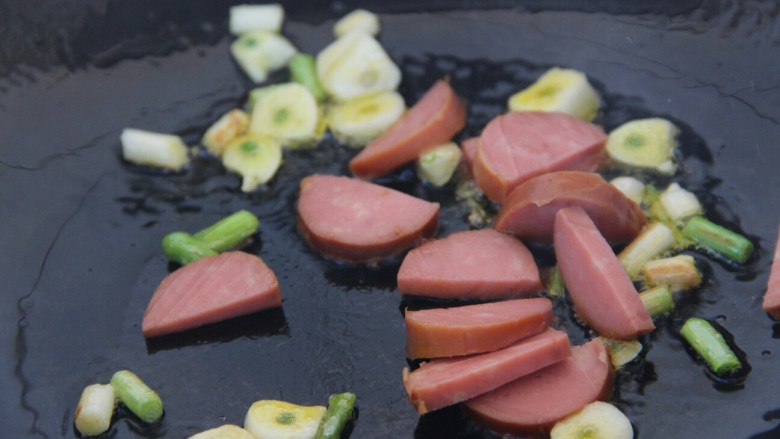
(211, 290)
(600, 289)
(444, 382)
(515, 147)
(534, 403)
(357, 221)
(529, 211)
(433, 120)
(469, 149)
(481, 264)
(771, 302)
(473, 329)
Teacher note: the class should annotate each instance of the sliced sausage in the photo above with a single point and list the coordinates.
(444, 382)
(210, 290)
(433, 120)
(473, 329)
(357, 221)
(469, 148)
(515, 147)
(600, 289)
(534, 403)
(771, 302)
(529, 211)
(482, 264)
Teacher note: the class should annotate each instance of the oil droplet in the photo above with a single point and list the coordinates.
(766, 354)
(720, 318)
(222, 418)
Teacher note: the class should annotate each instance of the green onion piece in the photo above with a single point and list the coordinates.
(718, 239)
(229, 232)
(710, 345)
(339, 412)
(182, 248)
(658, 301)
(303, 70)
(137, 396)
(554, 282)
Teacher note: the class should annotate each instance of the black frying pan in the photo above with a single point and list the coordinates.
(81, 230)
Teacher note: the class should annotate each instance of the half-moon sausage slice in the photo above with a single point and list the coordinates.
(210, 290)
(533, 403)
(444, 382)
(433, 120)
(482, 264)
(473, 329)
(529, 211)
(357, 221)
(515, 147)
(771, 303)
(600, 289)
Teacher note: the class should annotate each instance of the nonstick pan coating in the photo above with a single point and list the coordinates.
(81, 230)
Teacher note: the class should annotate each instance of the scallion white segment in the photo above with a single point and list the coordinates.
(271, 419)
(245, 18)
(631, 188)
(95, 408)
(597, 420)
(655, 240)
(354, 65)
(259, 52)
(679, 203)
(231, 125)
(437, 164)
(359, 20)
(154, 149)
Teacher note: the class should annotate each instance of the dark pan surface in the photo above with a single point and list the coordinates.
(81, 230)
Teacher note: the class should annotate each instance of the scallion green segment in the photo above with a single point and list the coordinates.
(303, 70)
(137, 396)
(229, 232)
(711, 346)
(182, 248)
(658, 301)
(718, 239)
(339, 412)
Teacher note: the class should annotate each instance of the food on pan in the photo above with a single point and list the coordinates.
(529, 211)
(710, 345)
(433, 120)
(480, 264)
(438, 164)
(474, 329)
(355, 65)
(357, 221)
(358, 121)
(138, 397)
(255, 157)
(303, 70)
(655, 240)
(227, 431)
(341, 409)
(601, 291)
(561, 90)
(228, 233)
(443, 382)
(95, 409)
(718, 239)
(260, 52)
(289, 113)
(245, 18)
(678, 273)
(359, 20)
(154, 149)
(271, 419)
(658, 301)
(534, 403)
(516, 147)
(596, 420)
(210, 290)
(219, 135)
(646, 143)
(469, 148)
(771, 302)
